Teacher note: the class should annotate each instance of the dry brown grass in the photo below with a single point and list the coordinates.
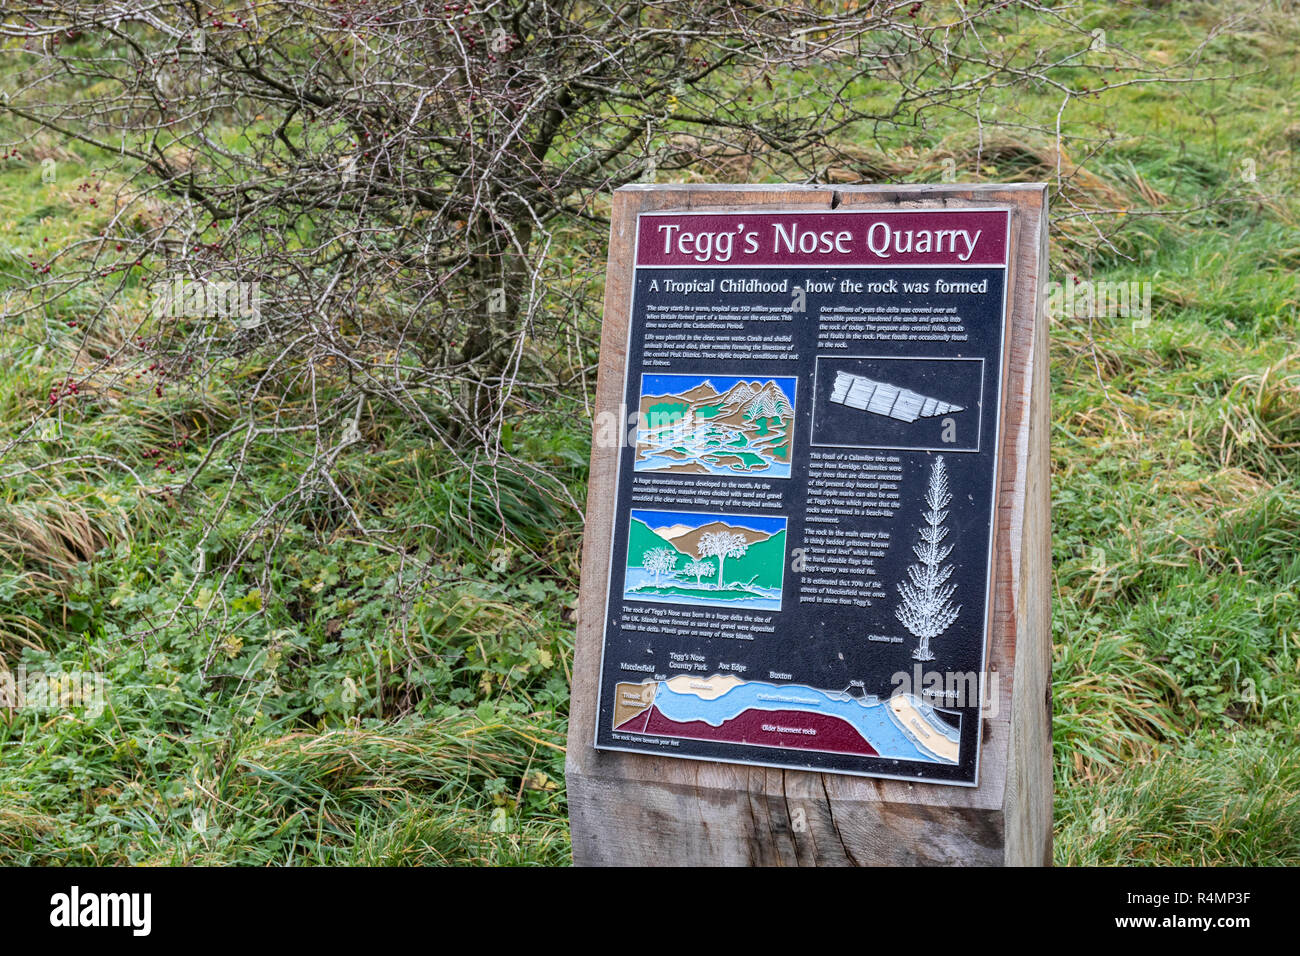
(49, 536)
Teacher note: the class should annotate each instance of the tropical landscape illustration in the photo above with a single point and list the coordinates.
(716, 425)
(682, 557)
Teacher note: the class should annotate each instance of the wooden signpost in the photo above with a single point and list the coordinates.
(814, 622)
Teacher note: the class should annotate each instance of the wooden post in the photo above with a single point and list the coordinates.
(630, 808)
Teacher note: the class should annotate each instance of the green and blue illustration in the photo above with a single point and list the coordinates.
(688, 557)
(716, 425)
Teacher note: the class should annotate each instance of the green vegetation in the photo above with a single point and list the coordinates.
(307, 721)
(641, 539)
(715, 593)
(665, 413)
(745, 459)
(300, 724)
(763, 564)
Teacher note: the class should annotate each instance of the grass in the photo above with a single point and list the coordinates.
(1221, 804)
(307, 722)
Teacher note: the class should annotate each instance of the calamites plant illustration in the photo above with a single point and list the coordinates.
(927, 609)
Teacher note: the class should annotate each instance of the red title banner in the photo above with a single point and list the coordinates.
(938, 237)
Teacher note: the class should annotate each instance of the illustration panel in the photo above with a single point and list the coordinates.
(724, 708)
(716, 425)
(915, 404)
(699, 558)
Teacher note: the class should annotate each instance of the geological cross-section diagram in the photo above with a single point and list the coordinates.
(724, 708)
(881, 398)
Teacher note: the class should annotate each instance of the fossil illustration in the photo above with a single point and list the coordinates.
(881, 398)
(926, 608)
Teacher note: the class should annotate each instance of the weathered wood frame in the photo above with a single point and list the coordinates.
(636, 809)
